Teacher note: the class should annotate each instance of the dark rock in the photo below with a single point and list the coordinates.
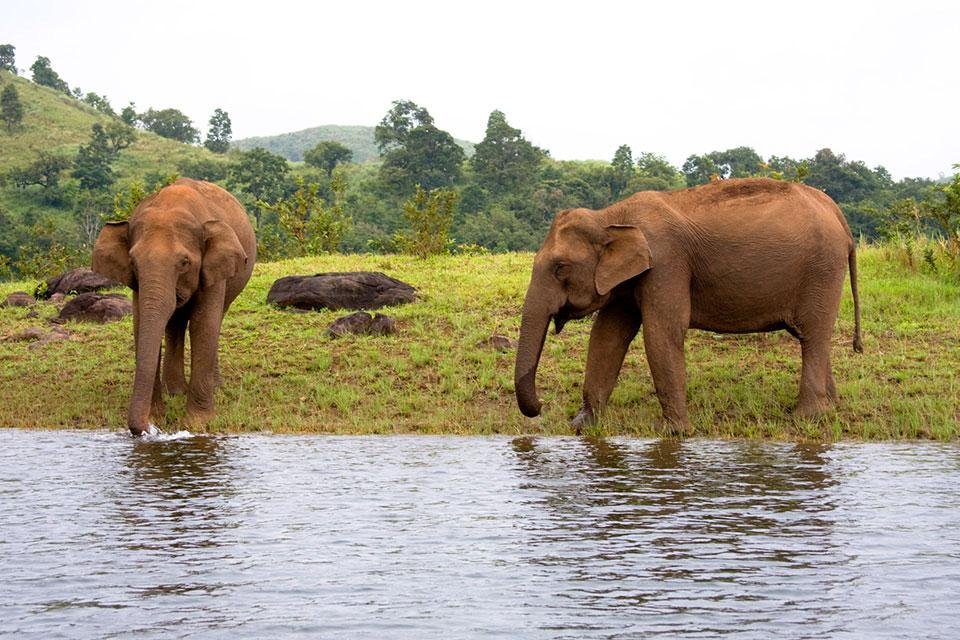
(351, 290)
(58, 298)
(32, 314)
(96, 307)
(498, 342)
(19, 299)
(39, 337)
(81, 280)
(362, 323)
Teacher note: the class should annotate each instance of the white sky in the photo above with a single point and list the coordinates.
(873, 80)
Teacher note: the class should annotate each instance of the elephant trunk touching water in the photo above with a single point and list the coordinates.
(187, 252)
(736, 256)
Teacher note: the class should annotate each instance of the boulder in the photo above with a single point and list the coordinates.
(39, 337)
(19, 299)
(348, 290)
(362, 323)
(498, 342)
(96, 307)
(81, 280)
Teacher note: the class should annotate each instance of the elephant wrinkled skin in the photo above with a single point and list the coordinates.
(186, 252)
(735, 256)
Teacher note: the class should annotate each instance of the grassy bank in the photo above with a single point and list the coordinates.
(435, 375)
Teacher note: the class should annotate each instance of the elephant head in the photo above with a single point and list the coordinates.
(585, 256)
(165, 257)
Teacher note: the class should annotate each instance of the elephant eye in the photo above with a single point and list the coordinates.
(561, 270)
(184, 263)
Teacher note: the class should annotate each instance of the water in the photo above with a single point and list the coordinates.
(414, 537)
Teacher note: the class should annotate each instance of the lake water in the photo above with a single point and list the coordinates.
(102, 536)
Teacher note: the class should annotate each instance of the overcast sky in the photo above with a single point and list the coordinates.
(875, 81)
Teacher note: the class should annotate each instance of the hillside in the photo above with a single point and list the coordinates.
(58, 124)
(292, 145)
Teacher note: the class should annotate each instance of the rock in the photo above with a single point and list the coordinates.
(498, 342)
(81, 280)
(57, 298)
(32, 314)
(350, 290)
(96, 307)
(19, 299)
(362, 323)
(39, 337)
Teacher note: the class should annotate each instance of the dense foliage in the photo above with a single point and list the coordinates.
(498, 195)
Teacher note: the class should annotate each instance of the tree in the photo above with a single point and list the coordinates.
(505, 161)
(316, 226)
(43, 172)
(218, 135)
(326, 155)
(8, 57)
(92, 166)
(430, 215)
(129, 115)
(740, 162)
(699, 170)
(43, 74)
(404, 116)
(414, 151)
(120, 136)
(11, 109)
(621, 170)
(260, 174)
(100, 103)
(170, 123)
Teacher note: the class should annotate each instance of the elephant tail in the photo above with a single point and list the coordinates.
(852, 261)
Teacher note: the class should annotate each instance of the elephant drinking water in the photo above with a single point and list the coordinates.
(186, 252)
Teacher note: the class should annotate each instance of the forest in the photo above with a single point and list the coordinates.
(71, 161)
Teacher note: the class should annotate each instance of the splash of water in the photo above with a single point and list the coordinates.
(154, 434)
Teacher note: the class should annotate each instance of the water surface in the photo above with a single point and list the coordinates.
(417, 537)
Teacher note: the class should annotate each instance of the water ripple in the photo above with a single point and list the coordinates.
(103, 536)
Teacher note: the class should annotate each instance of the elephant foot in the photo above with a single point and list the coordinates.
(810, 408)
(142, 432)
(176, 387)
(583, 419)
(198, 417)
(674, 427)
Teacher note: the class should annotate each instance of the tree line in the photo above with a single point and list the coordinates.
(423, 195)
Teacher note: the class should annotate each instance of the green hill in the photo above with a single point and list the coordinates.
(293, 145)
(56, 123)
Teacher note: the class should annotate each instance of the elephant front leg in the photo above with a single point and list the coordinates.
(204, 329)
(174, 380)
(613, 330)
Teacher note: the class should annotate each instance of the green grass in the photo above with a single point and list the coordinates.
(282, 373)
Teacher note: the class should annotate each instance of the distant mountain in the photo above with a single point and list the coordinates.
(292, 145)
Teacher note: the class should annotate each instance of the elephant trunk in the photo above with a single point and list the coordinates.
(533, 331)
(154, 308)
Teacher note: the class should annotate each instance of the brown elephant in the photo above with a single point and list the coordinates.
(186, 252)
(735, 256)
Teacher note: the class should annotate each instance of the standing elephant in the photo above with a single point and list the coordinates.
(735, 256)
(186, 252)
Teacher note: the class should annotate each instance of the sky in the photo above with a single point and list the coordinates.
(875, 81)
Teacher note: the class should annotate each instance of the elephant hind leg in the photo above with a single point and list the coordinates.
(818, 391)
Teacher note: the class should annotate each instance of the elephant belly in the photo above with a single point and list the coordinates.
(746, 310)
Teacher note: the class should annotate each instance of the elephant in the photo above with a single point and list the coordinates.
(186, 251)
(732, 256)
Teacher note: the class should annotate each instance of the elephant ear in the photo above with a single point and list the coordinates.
(111, 253)
(625, 255)
(223, 256)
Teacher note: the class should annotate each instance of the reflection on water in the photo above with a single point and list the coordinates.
(258, 536)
